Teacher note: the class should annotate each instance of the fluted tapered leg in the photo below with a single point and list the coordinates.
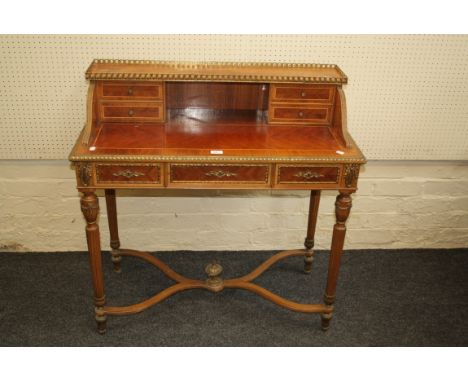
(312, 223)
(90, 209)
(342, 209)
(113, 229)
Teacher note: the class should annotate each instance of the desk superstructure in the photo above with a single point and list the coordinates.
(214, 125)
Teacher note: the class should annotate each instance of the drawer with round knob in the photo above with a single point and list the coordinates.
(131, 111)
(299, 114)
(131, 90)
(302, 93)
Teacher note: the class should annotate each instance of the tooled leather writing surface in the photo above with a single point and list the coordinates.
(186, 133)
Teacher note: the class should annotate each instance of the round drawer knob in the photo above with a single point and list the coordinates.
(130, 91)
(130, 113)
(300, 114)
(303, 94)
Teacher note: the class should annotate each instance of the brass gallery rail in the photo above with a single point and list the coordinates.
(215, 283)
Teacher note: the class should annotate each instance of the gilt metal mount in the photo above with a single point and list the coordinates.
(351, 174)
(128, 174)
(214, 282)
(220, 174)
(308, 175)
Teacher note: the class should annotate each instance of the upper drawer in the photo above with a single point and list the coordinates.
(226, 173)
(131, 111)
(301, 93)
(132, 90)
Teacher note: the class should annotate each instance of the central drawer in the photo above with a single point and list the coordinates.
(224, 174)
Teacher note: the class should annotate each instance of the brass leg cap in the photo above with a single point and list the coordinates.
(101, 326)
(308, 260)
(117, 268)
(326, 318)
(307, 268)
(116, 260)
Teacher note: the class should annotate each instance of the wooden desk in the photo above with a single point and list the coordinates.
(214, 125)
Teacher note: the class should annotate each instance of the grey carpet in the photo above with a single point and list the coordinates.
(385, 298)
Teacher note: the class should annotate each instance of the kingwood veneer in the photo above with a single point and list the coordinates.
(214, 125)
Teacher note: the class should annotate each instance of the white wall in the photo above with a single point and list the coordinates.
(406, 96)
(398, 205)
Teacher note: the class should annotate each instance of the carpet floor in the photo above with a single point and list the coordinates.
(384, 298)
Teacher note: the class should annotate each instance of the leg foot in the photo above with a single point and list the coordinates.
(326, 318)
(101, 320)
(308, 260)
(116, 260)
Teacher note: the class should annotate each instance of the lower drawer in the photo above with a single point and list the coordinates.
(299, 114)
(128, 174)
(226, 173)
(131, 111)
(307, 174)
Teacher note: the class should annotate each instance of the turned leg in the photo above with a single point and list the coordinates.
(342, 209)
(312, 223)
(113, 229)
(90, 209)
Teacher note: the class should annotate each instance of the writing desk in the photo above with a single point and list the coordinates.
(214, 126)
